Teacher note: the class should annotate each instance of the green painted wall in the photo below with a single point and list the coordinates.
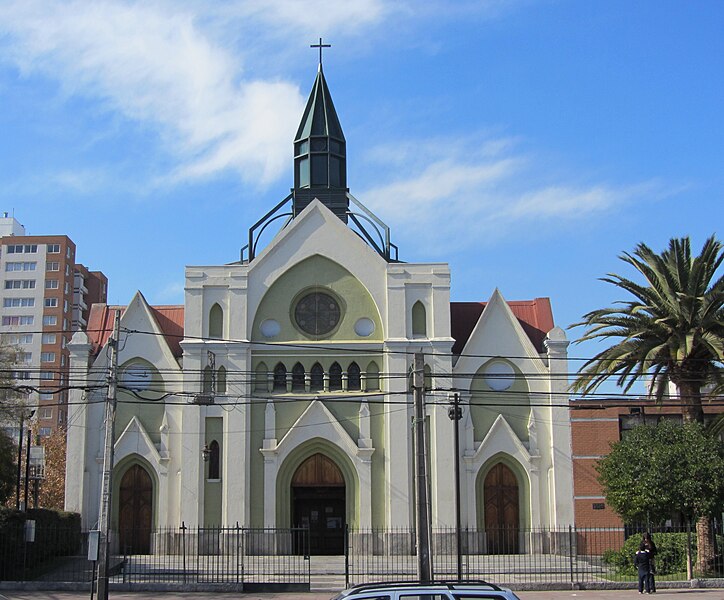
(317, 272)
(487, 404)
(213, 489)
(150, 414)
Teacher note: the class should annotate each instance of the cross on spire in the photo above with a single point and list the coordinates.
(320, 45)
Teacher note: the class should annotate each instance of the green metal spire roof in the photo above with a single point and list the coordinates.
(320, 117)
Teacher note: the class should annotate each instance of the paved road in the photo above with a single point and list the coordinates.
(678, 594)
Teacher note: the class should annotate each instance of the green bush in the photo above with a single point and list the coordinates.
(670, 557)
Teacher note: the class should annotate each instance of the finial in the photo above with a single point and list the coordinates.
(320, 45)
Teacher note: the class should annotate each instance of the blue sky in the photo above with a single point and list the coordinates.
(525, 143)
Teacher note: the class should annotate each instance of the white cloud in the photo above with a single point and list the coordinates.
(461, 193)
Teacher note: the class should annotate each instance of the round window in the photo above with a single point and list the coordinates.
(499, 376)
(317, 313)
(136, 377)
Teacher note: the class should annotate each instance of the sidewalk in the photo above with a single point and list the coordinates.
(677, 594)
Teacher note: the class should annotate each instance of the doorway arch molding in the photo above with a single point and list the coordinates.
(317, 430)
(501, 444)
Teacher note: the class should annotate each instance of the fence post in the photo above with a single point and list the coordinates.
(238, 546)
(183, 546)
(346, 555)
(570, 551)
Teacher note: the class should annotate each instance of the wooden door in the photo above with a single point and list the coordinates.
(135, 511)
(319, 505)
(502, 524)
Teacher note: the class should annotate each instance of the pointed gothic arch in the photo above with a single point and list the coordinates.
(135, 509)
(261, 379)
(221, 380)
(335, 377)
(419, 319)
(298, 375)
(354, 377)
(316, 378)
(372, 380)
(216, 322)
(280, 378)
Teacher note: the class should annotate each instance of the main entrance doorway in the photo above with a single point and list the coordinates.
(135, 511)
(502, 524)
(319, 504)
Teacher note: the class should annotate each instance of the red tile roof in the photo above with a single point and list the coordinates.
(170, 320)
(535, 316)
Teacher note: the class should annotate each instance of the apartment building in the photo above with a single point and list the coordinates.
(46, 296)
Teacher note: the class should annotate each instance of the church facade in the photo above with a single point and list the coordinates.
(280, 394)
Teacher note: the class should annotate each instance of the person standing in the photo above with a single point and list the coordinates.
(648, 541)
(642, 562)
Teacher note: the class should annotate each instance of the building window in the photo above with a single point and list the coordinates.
(45, 396)
(316, 377)
(44, 431)
(298, 377)
(354, 379)
(335, 377)
(20, 266)
(52, 266)
(372, 381)
(51, 303)
(18, 320)
(67, 288)
(419, 319)
(46, 413)
(53, 248)
(20, 248)
(65, 324)
(24, 357)
(20, 284)
(214, 460)
(207, 384)
(18, 302)
(221, 380)
(50, 320)
(23, 338)
(47, 375)
(65, 306)
(216, 322)
(280, 378)
(51, 284)
(48, 338)
(261, 379)
(67, 270)
(67, 252)
(47, 357)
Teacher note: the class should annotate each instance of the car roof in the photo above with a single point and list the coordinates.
(438, 584)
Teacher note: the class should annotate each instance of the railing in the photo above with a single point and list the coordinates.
(278, 559)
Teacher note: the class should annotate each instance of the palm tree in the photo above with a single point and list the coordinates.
(671, 332)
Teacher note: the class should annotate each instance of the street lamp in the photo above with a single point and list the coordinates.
(456, 413)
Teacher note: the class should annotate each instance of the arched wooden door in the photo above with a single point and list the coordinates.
(502, 519)
(135, 511)
(318, 503)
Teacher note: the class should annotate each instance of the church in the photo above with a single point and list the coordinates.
(281, 393)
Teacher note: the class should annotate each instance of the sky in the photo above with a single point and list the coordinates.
(525, 143)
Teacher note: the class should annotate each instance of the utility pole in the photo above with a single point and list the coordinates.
(456, 413)
(424, 563)
(104, 516)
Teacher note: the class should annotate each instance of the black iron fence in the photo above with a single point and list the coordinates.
(278, 559)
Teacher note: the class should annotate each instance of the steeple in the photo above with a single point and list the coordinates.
(320, 153)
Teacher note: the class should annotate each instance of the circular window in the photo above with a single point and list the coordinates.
(270, 328)
(136, 377)
(499, 376)
(317, 313)
(364, 327)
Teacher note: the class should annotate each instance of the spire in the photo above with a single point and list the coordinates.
(320, 156)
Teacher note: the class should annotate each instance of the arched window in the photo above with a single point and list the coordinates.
(335, 377)
(298, 378)
(216, 322)
(260, 381)
(214, 460)
(221, 380)
(280, 378)
(427, 377)
(354, 381)
(208, 380)
(317, 378)
(419, 319)
(373, 377)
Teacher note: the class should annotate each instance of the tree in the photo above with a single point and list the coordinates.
(52, 487)
(671, 331)
(8, 467)
(656, 471)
